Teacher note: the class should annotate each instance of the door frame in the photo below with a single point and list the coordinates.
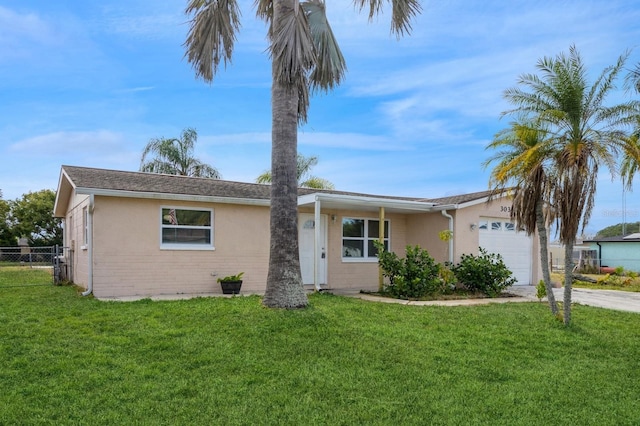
(320, 240)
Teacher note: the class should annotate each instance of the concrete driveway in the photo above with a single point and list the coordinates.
(610, 299)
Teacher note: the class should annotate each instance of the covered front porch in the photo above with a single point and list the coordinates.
(338, 254)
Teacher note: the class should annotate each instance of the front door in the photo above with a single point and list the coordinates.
(306, 241)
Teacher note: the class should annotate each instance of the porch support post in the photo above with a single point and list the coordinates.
(317, 239)
(381, 239)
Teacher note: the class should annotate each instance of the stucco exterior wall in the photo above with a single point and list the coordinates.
(73, 238)
(423, 230)
(128, 259)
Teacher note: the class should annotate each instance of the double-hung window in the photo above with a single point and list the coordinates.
(186, 228)
(358, 236)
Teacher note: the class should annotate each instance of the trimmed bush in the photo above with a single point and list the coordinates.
(485, 273)
(415, 276)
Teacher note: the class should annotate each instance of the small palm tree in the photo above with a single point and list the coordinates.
(523, 168)
(304, 165)
(175, 157)
(305, 57)
(581, 134)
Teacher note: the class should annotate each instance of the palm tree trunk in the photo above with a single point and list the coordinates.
(284, 280)
(568, 280)
(544, 257)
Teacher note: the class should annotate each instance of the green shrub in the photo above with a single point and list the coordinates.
(619, 271)
(485, 273)
(541, 290)
(414, 276)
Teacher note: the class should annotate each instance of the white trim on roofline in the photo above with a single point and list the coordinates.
(174, 197)
(365, 201)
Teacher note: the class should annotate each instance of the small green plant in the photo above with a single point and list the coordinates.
(615, 280)
(485, 273)
(541, 290)
(619, 271)
(231, 278)
(632, 274)
(415, 276)
(447, 277)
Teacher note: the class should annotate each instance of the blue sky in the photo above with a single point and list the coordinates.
(89, 83)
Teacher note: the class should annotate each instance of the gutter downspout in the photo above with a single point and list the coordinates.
(317, 238)
(599, 257)
(90, 244)
(448, 216)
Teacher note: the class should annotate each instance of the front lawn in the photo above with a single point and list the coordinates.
(66, 359)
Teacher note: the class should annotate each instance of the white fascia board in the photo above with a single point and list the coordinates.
(356, 201)
(174, 197)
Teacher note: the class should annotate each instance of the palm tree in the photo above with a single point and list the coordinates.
(303, 168)
(305, 57)
(175, 157)
(522, 168)
(630, 162)
(582, 134)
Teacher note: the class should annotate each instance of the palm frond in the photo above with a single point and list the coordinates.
(330, 66)
(402, 12)
(212, 34)
(314, 182)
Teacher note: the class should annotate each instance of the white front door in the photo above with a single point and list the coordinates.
(306, 241)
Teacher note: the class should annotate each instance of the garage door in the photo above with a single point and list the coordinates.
(500, 236)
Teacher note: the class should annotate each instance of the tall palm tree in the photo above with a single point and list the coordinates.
(523, 168)
(582, 133)
(303, 169)
(175, 157)
(305, 57)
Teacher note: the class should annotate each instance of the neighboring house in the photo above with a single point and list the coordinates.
(583, 256)
(618, 251)
(143, 234)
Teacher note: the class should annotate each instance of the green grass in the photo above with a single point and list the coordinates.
(71, 360)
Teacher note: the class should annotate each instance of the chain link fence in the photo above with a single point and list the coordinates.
(28, 265)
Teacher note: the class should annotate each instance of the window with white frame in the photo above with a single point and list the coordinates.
(186, 228)
(358, 236)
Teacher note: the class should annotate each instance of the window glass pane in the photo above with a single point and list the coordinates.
(186, 217)
(352, 248)
(373, 252)
(186, 236)
(374, 228)
(496, 226)
(509, 226)
(483, 224)
(352, 227)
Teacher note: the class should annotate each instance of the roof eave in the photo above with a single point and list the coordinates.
(174, 197)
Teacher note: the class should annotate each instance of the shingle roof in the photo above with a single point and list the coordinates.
(462, 198)
(116, 180)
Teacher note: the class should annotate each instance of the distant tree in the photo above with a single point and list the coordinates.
(616, 230)
(7, 237)
(303, 168)
(175, 157)
(32, 217)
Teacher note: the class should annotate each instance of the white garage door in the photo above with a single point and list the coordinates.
(500, 236)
